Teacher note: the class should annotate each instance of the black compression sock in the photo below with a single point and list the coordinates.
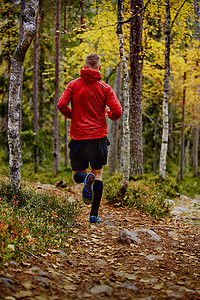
(97, 190)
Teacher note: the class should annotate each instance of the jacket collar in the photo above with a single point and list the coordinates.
(90, 74)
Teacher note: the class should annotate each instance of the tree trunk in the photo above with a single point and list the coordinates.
(16, 77)
(114, 131)
(196, 126)
(35, 82)
(187, 152)
(182, 160)
(156, 143)
(41, 89)
(35, 95)
(125, 91)
(195, 138)
(136, 151)
(22, 5)
(66, 142)
(56, 126)
(120, 158)
(165, 130)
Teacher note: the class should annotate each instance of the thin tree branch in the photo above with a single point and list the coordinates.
(111, 72)
(177, 14)
(137, 13)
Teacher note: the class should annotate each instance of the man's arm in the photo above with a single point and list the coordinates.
(115, 110)
(64, 102)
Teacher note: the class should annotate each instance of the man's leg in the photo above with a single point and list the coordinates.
(97, 191)
(79, 176)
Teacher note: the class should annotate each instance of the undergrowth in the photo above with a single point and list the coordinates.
(146, 194)
(33, 222)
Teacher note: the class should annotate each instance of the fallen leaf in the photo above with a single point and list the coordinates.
(23, 294)
(28, 285)
(69, 287)
(158, 286)
(11, 247)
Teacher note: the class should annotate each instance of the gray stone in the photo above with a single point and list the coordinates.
(129, 237)
(179, 210)
(153, 235)
(7, 283)
(175, 295)
(173, 234)
(62, 253)
(42, 282)
(184, 198)
(153, 257)
(170, 202)
(39, 272)
(102, 289)
(14, 264)
(101, 263)
(127, 285)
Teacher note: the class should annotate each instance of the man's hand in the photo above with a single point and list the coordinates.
(107, 110)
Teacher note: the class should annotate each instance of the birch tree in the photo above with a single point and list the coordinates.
(197, 125)
(125, 91)
(182, 158)
(56, 125)
(165, 131)
(112, 161)
(16, 75)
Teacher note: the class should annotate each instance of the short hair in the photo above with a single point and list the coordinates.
(92, 60)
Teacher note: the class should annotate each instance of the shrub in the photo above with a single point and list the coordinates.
(30, 221)
(147, 195)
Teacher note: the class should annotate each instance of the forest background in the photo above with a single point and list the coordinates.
(61, 44)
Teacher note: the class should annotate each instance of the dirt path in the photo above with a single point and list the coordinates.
(98, 265)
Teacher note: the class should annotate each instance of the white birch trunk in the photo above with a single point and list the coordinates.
(165, 131)
(16, 75)
(113, 149)
(125, 91)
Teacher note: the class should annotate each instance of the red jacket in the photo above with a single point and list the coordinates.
(89, 96)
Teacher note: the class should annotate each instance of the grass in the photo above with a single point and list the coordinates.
(33, 222)
(148, 193)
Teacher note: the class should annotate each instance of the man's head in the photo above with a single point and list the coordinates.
(92, 61)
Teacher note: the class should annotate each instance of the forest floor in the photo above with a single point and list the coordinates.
(97, 264)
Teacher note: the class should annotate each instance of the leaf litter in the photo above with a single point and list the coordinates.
(98, 264)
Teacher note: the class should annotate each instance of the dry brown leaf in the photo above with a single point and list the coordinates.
(69, 287)
(28, 285)
(23, 294)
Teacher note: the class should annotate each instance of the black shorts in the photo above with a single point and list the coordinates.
(83, 152)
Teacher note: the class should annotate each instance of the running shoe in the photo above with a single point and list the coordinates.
(95, 220)
(87, 192)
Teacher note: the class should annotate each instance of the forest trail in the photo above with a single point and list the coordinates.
(98, 265)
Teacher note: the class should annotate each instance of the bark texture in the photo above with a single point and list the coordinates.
(136, 151)
(41, 89)
(16, 75)
(66, 142)
(125, 91)
(165, 130)
(195, 140)
(56, 125)
(182, 160)
(35, 81)
(114, 128)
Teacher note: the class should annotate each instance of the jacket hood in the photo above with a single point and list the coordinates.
(90, 74)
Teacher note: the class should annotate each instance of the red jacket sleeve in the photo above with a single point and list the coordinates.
(115, 107)
(64, 102)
